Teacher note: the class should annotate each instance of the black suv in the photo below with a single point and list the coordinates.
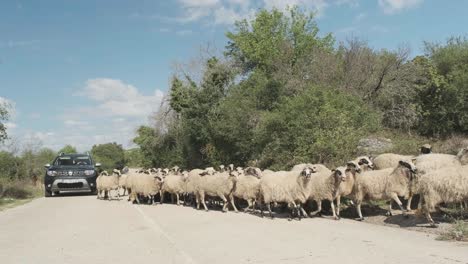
(70, 173)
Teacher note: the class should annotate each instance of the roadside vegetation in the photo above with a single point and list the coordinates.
(281, 93)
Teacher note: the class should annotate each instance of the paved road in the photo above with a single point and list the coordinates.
(82, 229)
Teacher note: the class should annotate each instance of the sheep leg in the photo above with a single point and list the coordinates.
(172, 198)
(136, 198)
(333, 210)
(338, 204)
(231, 200)
(293, 208)
(177, 198)
(408, 204)
(429, 218)
(394, 196)
(389, 213)
(225, 203)
(319, 208)
(197, 199)
(358, 209)
(202, 200)
(249, 205)
(304, 213)
(268, 206)
(161, 194)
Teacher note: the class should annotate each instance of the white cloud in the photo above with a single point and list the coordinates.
(117, 109)
(10, 125)
(317, 6)
(116, 98)
(395, 6)
(226, 12)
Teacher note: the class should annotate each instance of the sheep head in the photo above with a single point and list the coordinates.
(340, 174)
(175, 169)
(221, 168)
(410, 168)
(353, 167)
(256, 172)
(308, 171)
(231, 167)
(463, 156)
(426, 149)
(116, 171)
(158, 179)
(365, 161)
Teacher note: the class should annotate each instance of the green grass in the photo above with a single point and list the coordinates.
(458, 232)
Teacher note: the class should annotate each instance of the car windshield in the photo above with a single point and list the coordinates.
(70, 160)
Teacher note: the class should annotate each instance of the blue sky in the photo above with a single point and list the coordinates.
(88, 72)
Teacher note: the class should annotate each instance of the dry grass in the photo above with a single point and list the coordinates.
(458, 232)
(14, 193)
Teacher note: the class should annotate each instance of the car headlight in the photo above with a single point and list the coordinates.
(52, 173)
(89, 172)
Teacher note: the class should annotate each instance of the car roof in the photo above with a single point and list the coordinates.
(73, 155)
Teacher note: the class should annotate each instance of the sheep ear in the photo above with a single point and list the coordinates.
(404, 164)
(351, 164)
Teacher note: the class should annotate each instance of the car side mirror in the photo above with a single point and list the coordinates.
(98, 165)
(47, 166)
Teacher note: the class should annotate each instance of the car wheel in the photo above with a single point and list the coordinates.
(94, 192)
(47, 193)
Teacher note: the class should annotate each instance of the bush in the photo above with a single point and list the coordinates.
(458, 231)
(320, 126)
(17, 190)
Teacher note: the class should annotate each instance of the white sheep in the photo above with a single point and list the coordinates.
(248, 186)
(175, 184)
(99, 184)
(389, 160)
(220, 185)
(346, 187)
(147, 185)
(290, 187)
(109, 183)
(444, 185)
(325, 186)
(384, 184)
(193, 183)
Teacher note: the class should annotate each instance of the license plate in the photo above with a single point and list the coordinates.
(70, 181)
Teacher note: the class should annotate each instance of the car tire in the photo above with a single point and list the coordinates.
(47, 194)
(94, 192)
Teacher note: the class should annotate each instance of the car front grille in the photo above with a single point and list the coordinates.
(75, 185)
(74, 173)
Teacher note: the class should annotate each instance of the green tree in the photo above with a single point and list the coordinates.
(110, 155)
(322, 125)
(134, 157)
(273, 36)
(443, 91)
(4, 116)
(68, 149)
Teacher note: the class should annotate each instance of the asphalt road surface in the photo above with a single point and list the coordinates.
(82, 229)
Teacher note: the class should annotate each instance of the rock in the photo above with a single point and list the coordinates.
(374, 145)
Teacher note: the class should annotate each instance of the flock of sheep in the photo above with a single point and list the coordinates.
(436, 178)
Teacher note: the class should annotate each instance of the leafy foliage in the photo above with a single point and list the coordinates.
(110, 155)
(4, 116)
(284, 94)
(68, 149)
